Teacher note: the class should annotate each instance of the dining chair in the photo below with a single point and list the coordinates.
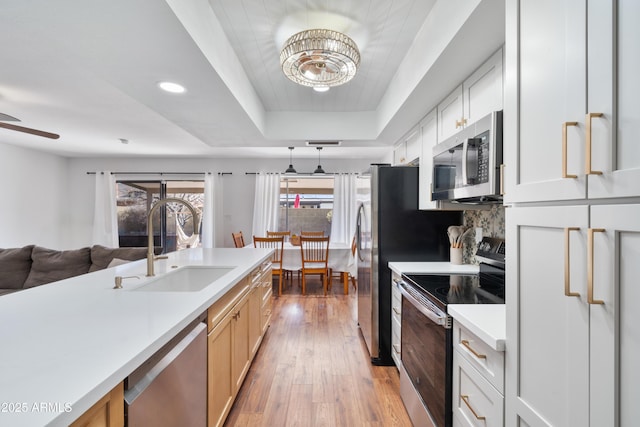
(238, 239)
(276, 243)
(278, 233)
(288, 274)
(315, 258)
(345, 276)
(312, 233)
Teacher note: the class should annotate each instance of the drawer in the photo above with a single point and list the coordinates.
(220, 308)
(396, 300)
(489, 362)
(396, 349)
(266, 295)
(396, 325)
(476, 402)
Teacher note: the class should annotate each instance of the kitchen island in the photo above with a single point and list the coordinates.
(67, 344)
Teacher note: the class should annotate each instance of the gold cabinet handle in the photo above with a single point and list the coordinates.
(567, 273)
(587, 138)
(396, 311)
(564, 149)
(475, 353)
(460, 123)
(502, 179)
(465, 399)
(590, 251)
(396, 348)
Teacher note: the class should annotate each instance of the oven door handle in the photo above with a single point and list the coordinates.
(437, 318)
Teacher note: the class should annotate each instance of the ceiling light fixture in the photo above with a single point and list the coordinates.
(320, 58)
(319, 170)
(172, 87)
(290, 169)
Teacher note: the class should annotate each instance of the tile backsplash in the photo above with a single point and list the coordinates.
(492, 223)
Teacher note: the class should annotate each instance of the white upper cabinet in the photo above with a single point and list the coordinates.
(429, 133)
(399, 153)
(408, 149)
(571, 90)
(613, 92)
(450, 114)
(480, 94)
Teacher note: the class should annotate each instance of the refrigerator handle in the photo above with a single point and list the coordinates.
(359, 231)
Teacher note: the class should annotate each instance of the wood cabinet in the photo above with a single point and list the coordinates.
(237, 323)
(480, 94)
(267, 300)
(575, 104)
(228, 357)
(396, 319)
(107, 412)
(478, 381)
(221, 384)
(255, 317)
(260, 305)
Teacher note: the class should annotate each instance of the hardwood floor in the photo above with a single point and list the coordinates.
(313, 368)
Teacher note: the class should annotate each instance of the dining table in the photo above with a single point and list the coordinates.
(340, 259)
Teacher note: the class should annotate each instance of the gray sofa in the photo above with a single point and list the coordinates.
(30, 266)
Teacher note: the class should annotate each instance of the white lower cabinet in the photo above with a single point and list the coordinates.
(478, 381)
(396, 320)
(572, 275)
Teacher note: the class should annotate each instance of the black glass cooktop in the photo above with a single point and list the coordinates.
(460, 288)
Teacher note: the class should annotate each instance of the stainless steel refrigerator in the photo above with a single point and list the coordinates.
(391, 228)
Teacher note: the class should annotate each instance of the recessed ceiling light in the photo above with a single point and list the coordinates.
(172, 87)
(321, 88)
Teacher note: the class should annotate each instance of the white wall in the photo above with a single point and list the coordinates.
(48, 199)
(34, 198)
(238, 188)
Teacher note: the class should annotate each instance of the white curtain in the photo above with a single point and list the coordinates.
(266, 205)
(343, 220)
(212, 212)
(105, 217)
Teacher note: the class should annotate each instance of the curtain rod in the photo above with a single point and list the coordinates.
(160, 173)
(303, 174)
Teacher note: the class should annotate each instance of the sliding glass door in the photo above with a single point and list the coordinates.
(172, 223)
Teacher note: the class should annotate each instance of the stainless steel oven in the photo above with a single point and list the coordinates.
(427, 336)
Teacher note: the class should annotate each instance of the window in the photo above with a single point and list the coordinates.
(170, 223)
(306, 203)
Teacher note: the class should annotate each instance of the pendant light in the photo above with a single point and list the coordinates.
(319, 170)
(290, 169)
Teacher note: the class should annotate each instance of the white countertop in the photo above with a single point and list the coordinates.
(432, 267)
(487, 321)
(69, 343)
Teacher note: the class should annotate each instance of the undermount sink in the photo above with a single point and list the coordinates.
(186, 279)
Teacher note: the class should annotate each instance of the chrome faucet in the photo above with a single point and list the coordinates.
(150, 255)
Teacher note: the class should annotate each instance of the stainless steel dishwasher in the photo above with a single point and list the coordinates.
(170, 389)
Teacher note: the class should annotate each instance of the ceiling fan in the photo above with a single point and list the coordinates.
(8, 118)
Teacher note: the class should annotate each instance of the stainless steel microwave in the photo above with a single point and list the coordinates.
(467, 166)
